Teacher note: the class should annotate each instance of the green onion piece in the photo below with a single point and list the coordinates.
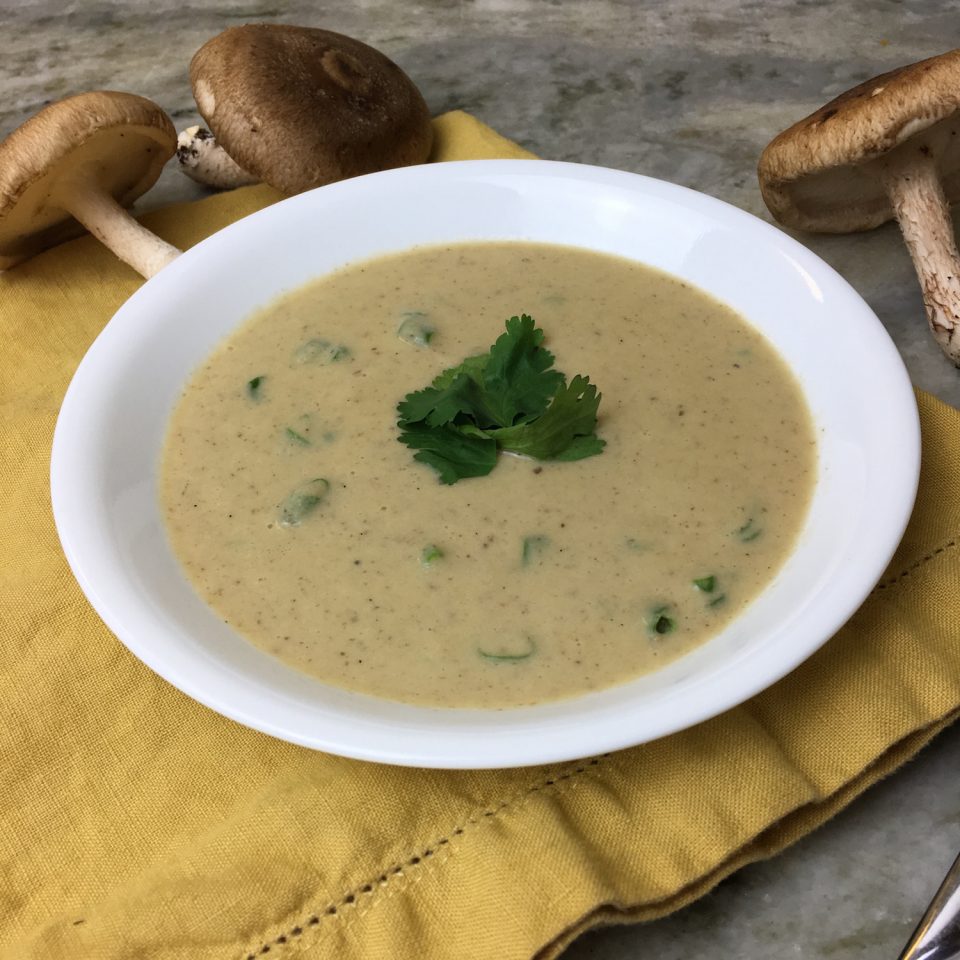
(430, 554)
(292, 435)
(311, 351)
(303, 501)
(502, 657)
(718, 600)
(320, 351)
(659, 620)
(749, 531)
(705, 584)
(415, 328)
(533, 548)
(254, 385)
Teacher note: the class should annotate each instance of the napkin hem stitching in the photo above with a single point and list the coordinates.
(932, 555)
(293, 934)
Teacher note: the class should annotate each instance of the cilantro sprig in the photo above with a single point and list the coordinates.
(511, 399)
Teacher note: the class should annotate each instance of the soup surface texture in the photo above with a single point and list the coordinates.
(312, 531)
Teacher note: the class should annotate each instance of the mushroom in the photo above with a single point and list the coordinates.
(887, 148)
(84, 159)
(299, 107)
(202, 159)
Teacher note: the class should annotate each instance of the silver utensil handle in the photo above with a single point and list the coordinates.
(937, 936)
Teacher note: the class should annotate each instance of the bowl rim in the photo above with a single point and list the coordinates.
(456, 736)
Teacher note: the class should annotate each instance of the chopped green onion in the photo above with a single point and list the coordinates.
(504, 657)
(718, 600)
(705, 584)
(415, 328)
(303, 501)
(311, 351)
(533, 548)
(749, 531)
(660, 622)
(320, 351)
(254, 385)
(292, 434)
(430, 554)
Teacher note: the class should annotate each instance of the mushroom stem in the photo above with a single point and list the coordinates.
(116, 229)
(202, 159)
(921, 209)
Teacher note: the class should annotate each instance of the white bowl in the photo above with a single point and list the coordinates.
(108, 440)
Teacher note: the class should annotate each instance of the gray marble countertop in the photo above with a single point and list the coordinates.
(685, 91)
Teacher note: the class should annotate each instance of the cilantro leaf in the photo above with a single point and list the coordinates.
(572, 414)
(439, 405)
(509, 398)
(473, 367)
(446, 397)
(518, 382)
(453, 454)
(588, 445)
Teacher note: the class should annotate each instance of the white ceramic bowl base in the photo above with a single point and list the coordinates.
(109, 435)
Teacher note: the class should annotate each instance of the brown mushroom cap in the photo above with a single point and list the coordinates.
(300, 107)
(824, 174)
(114, 143)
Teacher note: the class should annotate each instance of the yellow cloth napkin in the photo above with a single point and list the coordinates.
(135, 823)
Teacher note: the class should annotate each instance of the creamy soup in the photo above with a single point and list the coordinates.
(307, 525)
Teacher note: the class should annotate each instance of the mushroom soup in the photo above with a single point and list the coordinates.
(313, 532)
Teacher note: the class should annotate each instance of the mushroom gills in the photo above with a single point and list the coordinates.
(853, 196)
(83, 160)
(889, 147)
